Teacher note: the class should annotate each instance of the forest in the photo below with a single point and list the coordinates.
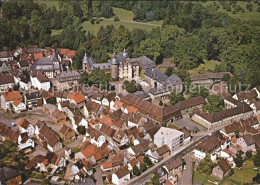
(190, 34)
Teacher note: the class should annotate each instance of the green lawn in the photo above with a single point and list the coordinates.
(243, 176)
(210, 65)
(56, 32)
(123, 14)
(95, 27)
(247, 15)
(205, 180)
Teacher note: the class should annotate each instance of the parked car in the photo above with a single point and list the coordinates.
(13, 124)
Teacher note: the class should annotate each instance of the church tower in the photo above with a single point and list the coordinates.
(114, 68)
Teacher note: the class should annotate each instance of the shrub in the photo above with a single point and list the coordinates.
(116, 18)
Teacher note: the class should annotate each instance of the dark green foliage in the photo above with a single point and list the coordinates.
(136, 171)
(116, 18)
(132, 86)
(175, 97)
(256, 179)
(143, 167)
(154, 179)
(256, 159)
(52, 101)
(238, 159)
(83, 78)
(199, 91)
(206, 166)
(248, 154)
(147, 161)
(215, 104)
(99, 78)
(81, 130)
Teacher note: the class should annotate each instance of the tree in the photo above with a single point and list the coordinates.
(256, 159)
(248, 154)
(81, 130)
(169, 71)
(154, 179)
(237, 132)
(83, 78)
(202, 68)
(120, 38)
(147, 161)
(215, 104)
(143, 167)
(238, 159)
(175, 97)
(160, 103)
(199, 91)
(116, 18)
(136, 171)
(99, 78)
(52, 101)
(256, 179)
(226, 77)
(206, 166)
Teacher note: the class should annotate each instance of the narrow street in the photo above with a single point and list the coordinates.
(144, 177)
(98, 176)
(186, 176)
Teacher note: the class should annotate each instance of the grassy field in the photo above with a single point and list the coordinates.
(247, 15)
(210, 65)
(205, 180)
(243, 176)
(129, 25)
(123, 14)
(56, 32)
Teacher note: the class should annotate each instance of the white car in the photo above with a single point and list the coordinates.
(13, 124)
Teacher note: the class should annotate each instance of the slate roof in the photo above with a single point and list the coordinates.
(68, 76)
(8, 173)
(249, 140)
(51, 137)
(208, 75)
(173, 164)
(6, 79)
(218, 116)
(140, 148)
(185, 104)
(156, 75)
(210, 144)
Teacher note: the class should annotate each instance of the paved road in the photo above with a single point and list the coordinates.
(186, 176)
(98, 176)
(144, 177)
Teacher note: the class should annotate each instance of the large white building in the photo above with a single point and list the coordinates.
(40, 81)
(171, 137)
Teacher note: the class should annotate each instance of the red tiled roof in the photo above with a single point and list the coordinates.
(36, 56)
(76, 96)
(71, 53)
(24, 123)
(11, 96)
